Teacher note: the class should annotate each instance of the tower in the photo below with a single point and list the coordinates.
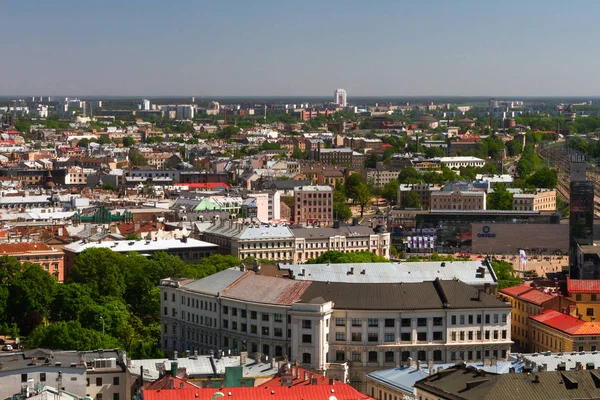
(339, 97)
(581, 217)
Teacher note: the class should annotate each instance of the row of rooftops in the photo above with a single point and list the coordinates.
(254, 287)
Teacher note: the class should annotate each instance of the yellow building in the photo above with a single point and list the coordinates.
(527, 301)
(586, 293)
(557, 332)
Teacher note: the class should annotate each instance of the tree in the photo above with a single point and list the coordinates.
(390, 191)
(363, 197)
(432, 152)
(109, 186)
(500, 198)
(69, 301)
(351, 186)
(371, 160)
(338, 257)
(101, 270)
(410, 175)
(341, 211)
(544, 178)
(136, 158)
(228, 131)
(505, 273)
(70, 335)
(411, 199)
(128, 141)
(85, 142)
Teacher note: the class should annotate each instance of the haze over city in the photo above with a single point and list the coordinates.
(281, 48)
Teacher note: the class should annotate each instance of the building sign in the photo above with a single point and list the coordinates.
(485, 233)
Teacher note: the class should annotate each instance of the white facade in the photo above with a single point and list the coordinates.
(457, 162)
(339, 97)
(319, 333)
(146, 105)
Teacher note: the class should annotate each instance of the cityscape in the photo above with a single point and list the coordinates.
(338, 201)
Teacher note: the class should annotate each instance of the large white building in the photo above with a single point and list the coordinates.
(331, 326)
(461, 161)
(339, 97)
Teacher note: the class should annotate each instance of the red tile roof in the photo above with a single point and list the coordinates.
(300, 381)
(583, 286)
(567, 324)
(529, 294)
(24, 247)
(207, 185)
(170, 382)
(313, 392)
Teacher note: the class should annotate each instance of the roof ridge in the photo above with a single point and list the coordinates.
(234, 283)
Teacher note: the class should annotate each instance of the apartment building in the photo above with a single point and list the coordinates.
(541, 200)
(78, 175)
(558, 332)
(380, 177)
(339, 156)
(424, 191)
(465, 161)
(99, 375)
(585, 295)
(457, 200)
(528, 301)
(313, 205)
(268, 206)
(49, 258)
(324, 324)
(274, 242)
(312, 242)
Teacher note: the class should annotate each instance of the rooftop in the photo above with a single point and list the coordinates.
(123, 246)
(567, 324)
(591, 286)
(466, 271)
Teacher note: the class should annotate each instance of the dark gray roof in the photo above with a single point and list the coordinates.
(452, 383)
(406, 296)
(287, 184)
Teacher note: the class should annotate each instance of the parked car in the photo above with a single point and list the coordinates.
(7, 347)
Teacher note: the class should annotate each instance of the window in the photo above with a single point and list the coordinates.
(421, 321)
(99, 396)
(461, 334)
(454, 320)
(356, 356)
(115, 396)
(495, 318)
(389, 337)
(356, 322)
(225, 323)
(356, 336)
(265, 317)
(265, 331)
(23, 377)
(116, 380)
(252, 315)
(243, 327)
(225, 310)
(234, 311)
(340, 356)
(306, 338)
(453, 356)
(462, 319)
(437, 321)
(453, 336)
(42, 377)
(253, 329)
(389, 356)
(306, 324)
(278, 317)
(389, 323)
(243, 313)
(421, 336)
(372, 356)
(405, 322)
(578, 297)
(589, 312)
(165, 296)
(422, 355)
(306, 358)
(479, 318)
(373, 337)
(470, 319)
(470, 335)
(487, 318)
(438, 335)
(594, 297)
(504, 334)
(340, 336)
(373, 322)
(98, 381)
(340, 322)
(487, 335)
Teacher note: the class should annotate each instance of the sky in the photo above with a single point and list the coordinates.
(300, 48)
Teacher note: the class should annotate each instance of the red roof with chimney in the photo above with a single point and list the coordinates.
(528, 293)
(170, 382)
(583, 286)
(313, 392)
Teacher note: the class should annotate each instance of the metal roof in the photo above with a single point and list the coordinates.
(215, 283)
(466, 271)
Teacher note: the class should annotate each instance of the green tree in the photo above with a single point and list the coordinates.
(432, 152)
(544, 178)
(109, 186)
(390, 191)
(363, 197)
(338, 257)
(500, 198)
(101, 270)
(352, 185)
(505, 273)
(410, 175)
(228, 131)
(341, 211)
(85, 142)
(128, 141)
(69, 301)
(136, 158)
(411, 200)
(70, 335)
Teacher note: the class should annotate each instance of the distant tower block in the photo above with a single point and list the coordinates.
(339, 97)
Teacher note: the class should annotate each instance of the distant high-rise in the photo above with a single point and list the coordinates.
(339, 97)
(146, 105)
(581, 217)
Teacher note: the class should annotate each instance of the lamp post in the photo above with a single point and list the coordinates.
(102, 319)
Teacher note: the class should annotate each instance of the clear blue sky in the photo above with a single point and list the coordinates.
(287, 48)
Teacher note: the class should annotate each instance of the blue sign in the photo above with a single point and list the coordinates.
(486, 233)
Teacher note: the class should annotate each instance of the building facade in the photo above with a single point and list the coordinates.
(558, 332)
(458, 200)
(313, 205)
(541, 200)
(47, 257)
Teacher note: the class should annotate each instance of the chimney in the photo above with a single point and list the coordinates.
(187, 354)
(561, 367)
(418, 365)
(430, 367)
(175, 355)
(196, 353)
(174, 368)
(305, 376)
(590, 365)
(578, 366)
(141, 376)
(410, 361)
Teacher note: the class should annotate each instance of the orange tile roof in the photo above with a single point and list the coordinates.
(24, 247)
(583, 286)
(537, 297)
(516, 290)
(567, 324)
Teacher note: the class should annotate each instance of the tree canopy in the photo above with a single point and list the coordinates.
(500, 198)
(338, 257)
